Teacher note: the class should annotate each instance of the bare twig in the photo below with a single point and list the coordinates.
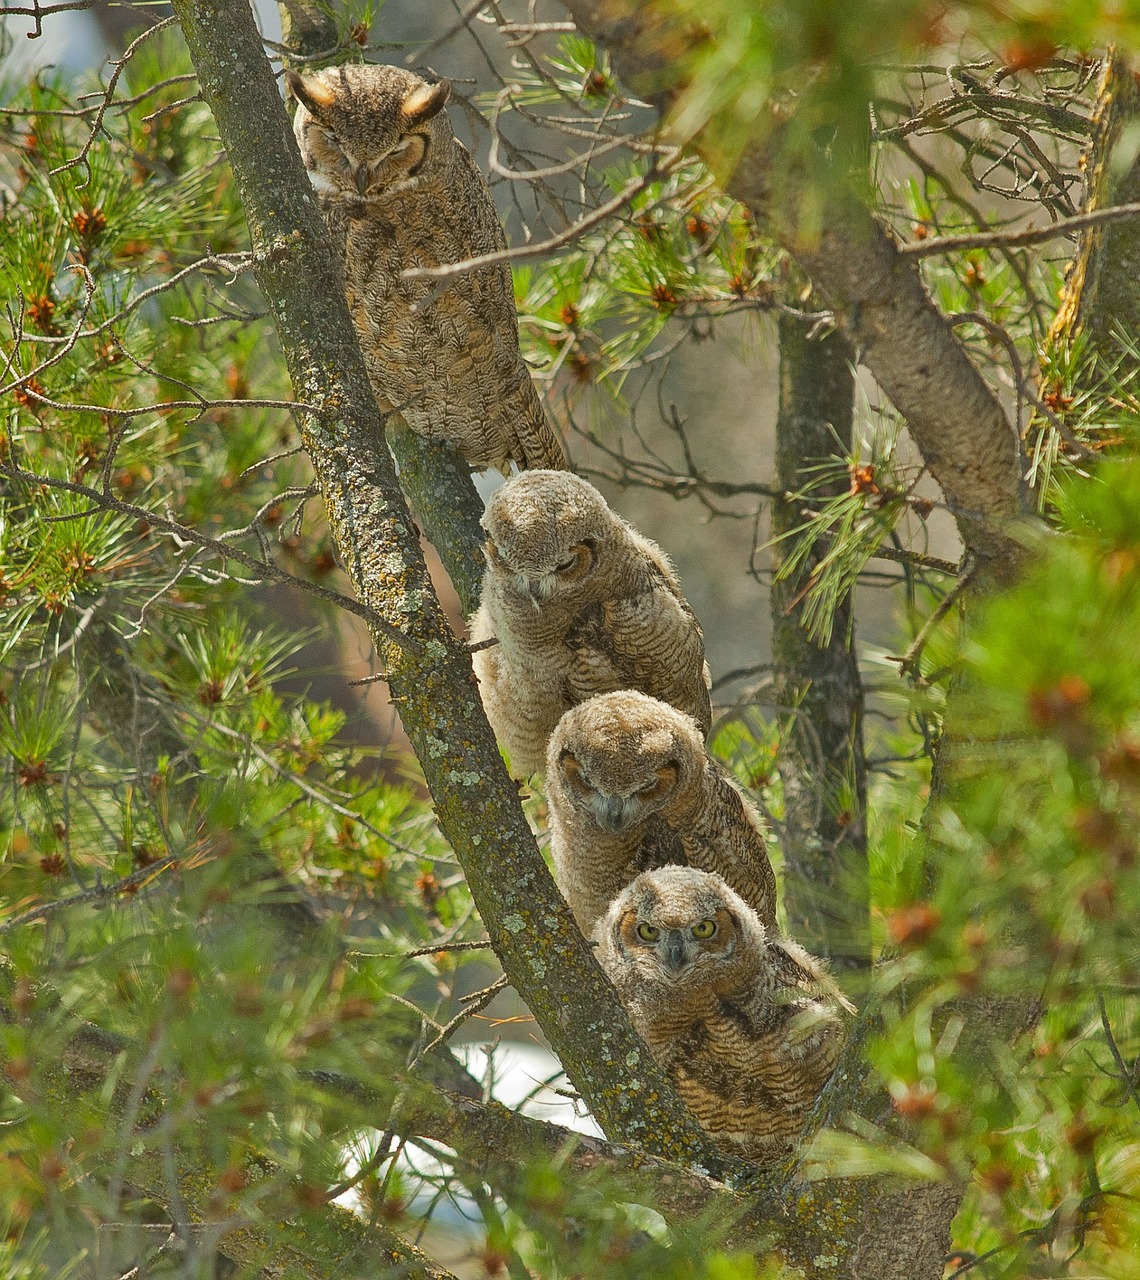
(908, 663)
(475, 1002)
(1127, 1075)
(109, 95)
(540, 248)
(1010, 239)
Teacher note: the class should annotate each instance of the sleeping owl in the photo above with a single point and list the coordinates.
(580, 604)
(398, 190)
(748, 1026)
(631, 787)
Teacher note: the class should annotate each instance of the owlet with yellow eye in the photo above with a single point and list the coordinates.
(398, 190)
(748, 1025)
(631, 787)
(580, 604)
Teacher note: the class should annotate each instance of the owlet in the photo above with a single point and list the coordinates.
(398, 190)
(581, 604)
(748, 1026)
(631, 787)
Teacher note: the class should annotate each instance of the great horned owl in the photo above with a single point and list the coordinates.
(748, 1026)
(581, 604)
(398, 190)
(631, 787)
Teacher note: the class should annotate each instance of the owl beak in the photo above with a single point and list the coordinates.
(676, 952)
(363, 177)
(614, 813)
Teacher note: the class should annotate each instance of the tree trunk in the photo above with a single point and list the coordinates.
(429, 671)
(437, 483)
(818, 689)
(1101, 288)
(881, 304)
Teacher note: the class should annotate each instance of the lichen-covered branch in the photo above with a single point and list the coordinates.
(830, 1229)
(443, 499)
(430, 675)
(1101, 293)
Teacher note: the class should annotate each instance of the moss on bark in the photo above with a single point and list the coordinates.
(429, 671)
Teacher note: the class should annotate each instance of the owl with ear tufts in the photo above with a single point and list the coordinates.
(398, 191)
(631, 787)
(580, 604)
(748, 1026)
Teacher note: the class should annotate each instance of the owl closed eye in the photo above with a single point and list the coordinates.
(539, 580)
(358, 141)
(398, 190)
(632, 787)
(635, 799)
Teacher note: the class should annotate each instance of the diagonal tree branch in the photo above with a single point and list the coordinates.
(531, 929)
(879, 299)
(313, 1245)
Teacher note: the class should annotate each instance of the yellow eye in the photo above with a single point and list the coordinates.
(648, 932)
(704, 929)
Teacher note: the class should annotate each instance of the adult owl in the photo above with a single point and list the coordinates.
(748, 1026)
(631, 787)
(580, 603)
(398, 190)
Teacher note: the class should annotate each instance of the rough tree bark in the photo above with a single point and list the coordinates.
(429, 671)
(879, 299)
(1100, 289)
(817, 687)
(434, 477)
(438, 486)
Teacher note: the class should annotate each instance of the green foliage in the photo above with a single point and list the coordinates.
(157, 774)
(1027, 919)
(841, 535)
(171, 802)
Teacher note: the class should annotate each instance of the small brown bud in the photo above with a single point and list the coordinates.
(912, 926)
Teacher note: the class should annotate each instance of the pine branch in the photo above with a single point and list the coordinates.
(966, 439)
(312, 1245)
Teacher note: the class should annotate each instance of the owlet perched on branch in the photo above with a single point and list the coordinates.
(748, 1025)
(398, 190)
(581, 604)
(631, 787)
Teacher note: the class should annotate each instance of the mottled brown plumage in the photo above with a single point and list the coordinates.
(631, 787)
(749, 1026)
(581, 604)
(398, 190)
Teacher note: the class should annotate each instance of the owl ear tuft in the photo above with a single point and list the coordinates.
(312, 93)
(425, 101)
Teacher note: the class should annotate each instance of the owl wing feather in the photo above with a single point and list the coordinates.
(646, 641)
(444, 352)
(729, 843)
(660, 846)
(796, 970)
